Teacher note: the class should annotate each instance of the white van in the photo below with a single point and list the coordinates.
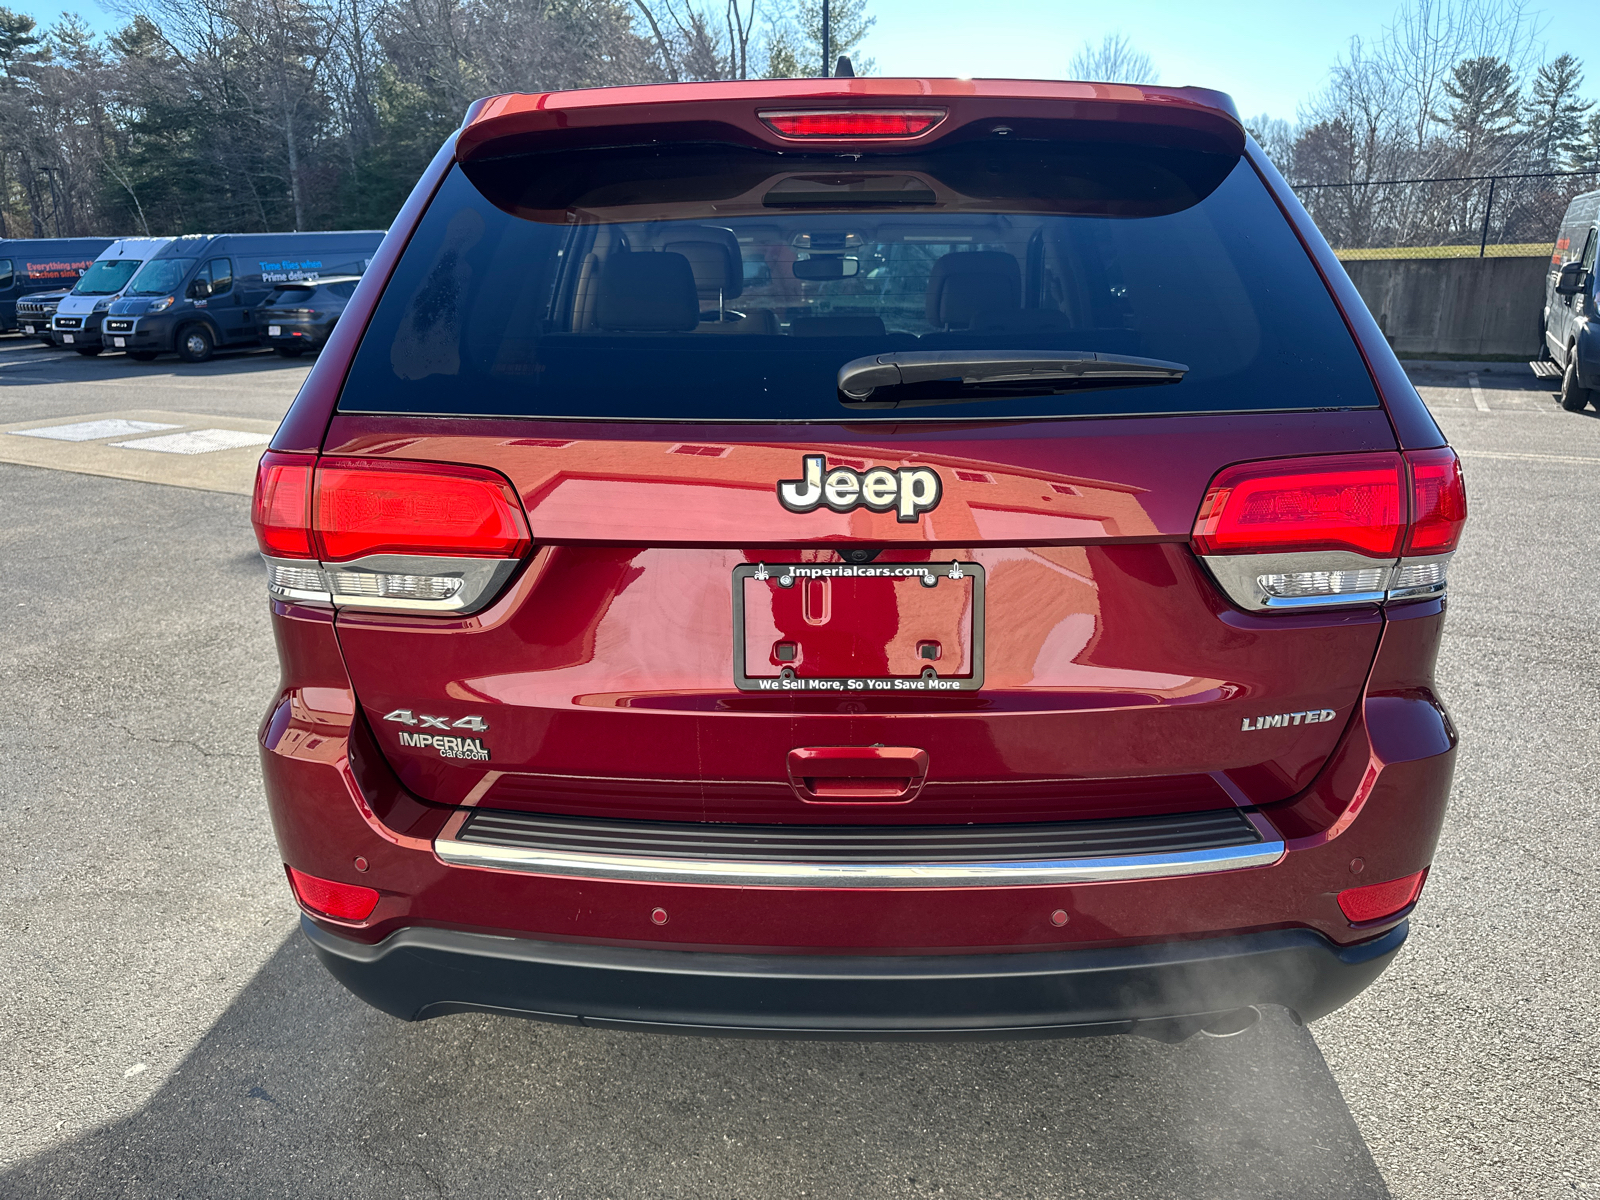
(77, 320)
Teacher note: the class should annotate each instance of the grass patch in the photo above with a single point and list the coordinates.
(1506, 250)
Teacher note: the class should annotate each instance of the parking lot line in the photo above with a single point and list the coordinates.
(1580, 459)
(1478, 402)
(208, 453)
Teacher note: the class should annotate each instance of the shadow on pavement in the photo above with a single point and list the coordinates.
(300, 1090)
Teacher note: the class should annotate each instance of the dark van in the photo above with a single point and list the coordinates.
(30, 265)
(1569, 304)
(201, 293)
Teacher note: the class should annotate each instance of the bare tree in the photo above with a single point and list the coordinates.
(1114, 60)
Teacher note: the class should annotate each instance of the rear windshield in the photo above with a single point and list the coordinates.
(720, 283)
(106, 277)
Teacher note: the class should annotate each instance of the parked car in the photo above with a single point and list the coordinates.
(34, 312)
(299, 316)
(1012, 611)
(31, 265)
(202, 293)
(1570, 334)
(76, 322)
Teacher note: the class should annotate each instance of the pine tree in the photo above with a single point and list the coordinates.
(1552, 113)
(1483, 103)
(792, 46)
(1584, 153)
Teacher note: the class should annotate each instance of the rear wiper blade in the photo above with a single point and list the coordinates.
(863, 379)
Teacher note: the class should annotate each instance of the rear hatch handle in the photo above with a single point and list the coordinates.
(857, 774)
(1002, 371)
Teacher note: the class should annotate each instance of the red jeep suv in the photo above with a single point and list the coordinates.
(857, 557)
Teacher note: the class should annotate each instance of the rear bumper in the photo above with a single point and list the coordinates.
(1166, 991)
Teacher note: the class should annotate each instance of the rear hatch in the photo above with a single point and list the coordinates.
(859, 479)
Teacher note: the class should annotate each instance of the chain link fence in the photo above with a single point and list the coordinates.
(1460, 216)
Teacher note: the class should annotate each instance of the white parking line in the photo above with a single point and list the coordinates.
(88, 431)
(1478, 402)
(197, 441)
(1515, 457)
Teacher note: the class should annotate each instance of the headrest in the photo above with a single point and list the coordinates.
(866, 325)
(713, 254)
(647, 293)
(965, 286)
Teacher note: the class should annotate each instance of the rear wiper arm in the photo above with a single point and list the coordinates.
(861, 379)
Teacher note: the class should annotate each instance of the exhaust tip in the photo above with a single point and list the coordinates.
(1231, 1024)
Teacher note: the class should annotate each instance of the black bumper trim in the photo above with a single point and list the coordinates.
(1167, 990)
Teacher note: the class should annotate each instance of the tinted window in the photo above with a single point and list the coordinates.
(709, 283)
(6, 273)
(343, 290)
(221, 275)
(107, 277)
(289, 295)
(160, 276)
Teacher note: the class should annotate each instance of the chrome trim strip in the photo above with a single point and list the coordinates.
(643, 869)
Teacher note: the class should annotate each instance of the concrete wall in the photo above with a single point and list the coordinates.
(1455, 306)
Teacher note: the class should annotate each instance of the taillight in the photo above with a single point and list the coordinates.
(342, 901)
(281, 510)
(1438, 501)
(367, 507)
(1375, 901)
(1341, 502)
(369, 533)
(1335, 529)
(853, 122)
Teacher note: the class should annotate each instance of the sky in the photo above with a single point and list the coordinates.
(1271, 56)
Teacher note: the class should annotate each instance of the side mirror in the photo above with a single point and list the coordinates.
(829, 267)
(199, 289)
(1573, 279)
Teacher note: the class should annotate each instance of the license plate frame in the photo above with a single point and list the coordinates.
(928, 682)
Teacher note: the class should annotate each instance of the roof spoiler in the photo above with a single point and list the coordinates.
(727, 111)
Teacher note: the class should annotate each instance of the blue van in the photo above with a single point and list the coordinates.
(1572, 304)
(41, 265)
(201, 292)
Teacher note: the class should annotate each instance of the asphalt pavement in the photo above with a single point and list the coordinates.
(167, 1034)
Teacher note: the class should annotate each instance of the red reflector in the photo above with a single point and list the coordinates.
(1438, 501)
(344, 901)
(854, 122)
(370, 507)
(1379, 900)
(281, 509)
(1338, 502)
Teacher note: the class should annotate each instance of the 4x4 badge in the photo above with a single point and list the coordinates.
(406, 717)
(907, 491)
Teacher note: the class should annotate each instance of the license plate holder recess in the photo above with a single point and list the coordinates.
(861, 629)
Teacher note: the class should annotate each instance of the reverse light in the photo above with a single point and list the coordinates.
(341, 901)
(1337, 529)
(367, 533)
(1376, 901)
(853, 122)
